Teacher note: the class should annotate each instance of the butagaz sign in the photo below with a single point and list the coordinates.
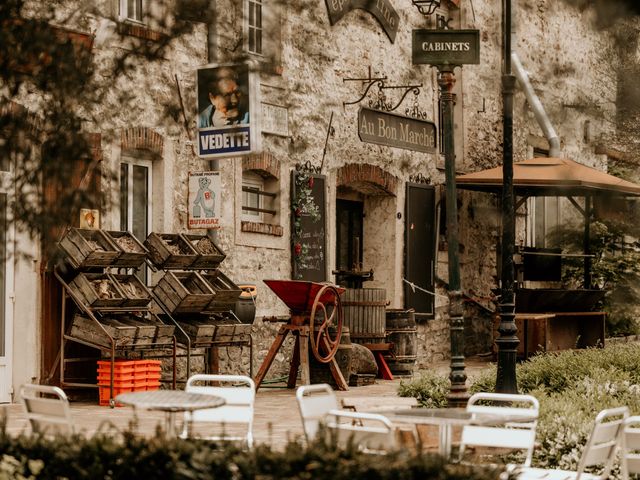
(446, 47)
(392, 130)
(382, 10)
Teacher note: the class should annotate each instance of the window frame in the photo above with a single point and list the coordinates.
(252, 180)
(133, 162)
(254, 33)
(123, 11)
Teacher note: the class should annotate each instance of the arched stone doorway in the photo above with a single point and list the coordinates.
(366, 235)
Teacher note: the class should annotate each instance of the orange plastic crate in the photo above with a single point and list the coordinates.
(136, 384)
(104, 395)
(120, 376)
(151, 385)
(119, 366)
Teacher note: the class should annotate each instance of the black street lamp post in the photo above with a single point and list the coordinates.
(507, 342)
(446, 49)
(458, 391)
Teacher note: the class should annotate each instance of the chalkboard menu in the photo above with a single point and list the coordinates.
(308, 227)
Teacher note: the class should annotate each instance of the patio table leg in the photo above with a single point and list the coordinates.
(170, 425)
(445, 440)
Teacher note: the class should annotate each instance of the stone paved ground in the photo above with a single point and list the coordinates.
(276, 416)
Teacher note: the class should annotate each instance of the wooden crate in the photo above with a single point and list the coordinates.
(170, 250)
(145, 331)
(89, 248)
(227, 292)
(200, 332)
(232, 334)
(86, 329)
(135, 292)
(92, 289)
(164, 334)
(183, 292)
(133, 251)
(210, 255)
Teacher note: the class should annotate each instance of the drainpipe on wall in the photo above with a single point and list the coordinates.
(536, 106)
(213, 356)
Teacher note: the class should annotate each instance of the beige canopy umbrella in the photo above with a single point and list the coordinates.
(550, 177)
(538, 177)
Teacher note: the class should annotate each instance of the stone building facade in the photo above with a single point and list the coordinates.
(312, 72)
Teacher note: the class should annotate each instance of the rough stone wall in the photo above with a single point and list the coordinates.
(570, 65)
(569, 72)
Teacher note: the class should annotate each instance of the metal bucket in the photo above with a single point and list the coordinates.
(403, 334)
(364, 314)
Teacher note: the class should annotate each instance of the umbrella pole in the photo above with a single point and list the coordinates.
(587, 247)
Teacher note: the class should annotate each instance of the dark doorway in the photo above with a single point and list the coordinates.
(420, 238)
(349, 216)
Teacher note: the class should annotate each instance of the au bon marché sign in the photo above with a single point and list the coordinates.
(446, 47)
(393, 130)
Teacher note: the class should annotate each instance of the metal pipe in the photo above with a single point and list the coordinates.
(536, 105)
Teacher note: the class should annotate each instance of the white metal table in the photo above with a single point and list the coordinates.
(170, 402)
(447, 418)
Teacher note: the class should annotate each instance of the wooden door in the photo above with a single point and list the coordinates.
(420, 242)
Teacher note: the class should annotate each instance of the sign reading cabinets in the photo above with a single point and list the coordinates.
(446, 47)
(392, 130)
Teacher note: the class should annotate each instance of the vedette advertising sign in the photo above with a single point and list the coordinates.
(227, 119)
(204, 200)
(393, 130)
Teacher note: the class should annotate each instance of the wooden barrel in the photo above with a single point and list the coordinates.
(403, 334)
(320, 372)
(364, 314)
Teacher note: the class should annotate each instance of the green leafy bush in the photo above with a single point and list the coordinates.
(429, 388)
(558, 371)
(128, 456)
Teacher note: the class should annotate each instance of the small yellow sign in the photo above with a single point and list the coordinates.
(89, 218)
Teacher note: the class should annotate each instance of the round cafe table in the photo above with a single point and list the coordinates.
(170, 402)
(447, 418)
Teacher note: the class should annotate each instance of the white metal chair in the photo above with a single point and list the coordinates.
(630, 457)
(600, 450)
(507, 435)
(315, 402)
(239, 393)
(370, 432)
(47, 409)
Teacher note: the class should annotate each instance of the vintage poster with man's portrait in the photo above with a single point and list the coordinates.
(226, 118)
(204, 200)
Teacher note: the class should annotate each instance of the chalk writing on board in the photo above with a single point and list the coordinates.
(308, 227)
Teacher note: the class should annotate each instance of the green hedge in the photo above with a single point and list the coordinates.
(572, 387)
(126, 456)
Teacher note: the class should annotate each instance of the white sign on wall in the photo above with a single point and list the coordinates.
(275, 119)
(204, 200)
